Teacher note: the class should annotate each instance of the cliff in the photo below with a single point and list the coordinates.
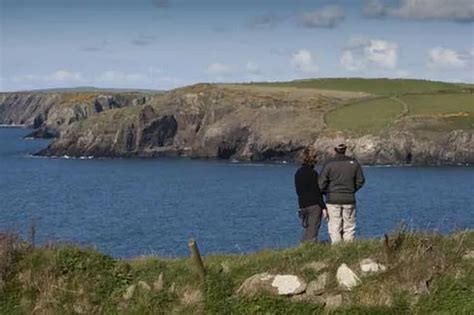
(254, 123)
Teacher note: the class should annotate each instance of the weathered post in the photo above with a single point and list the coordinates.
(387, 248)
(196, 257)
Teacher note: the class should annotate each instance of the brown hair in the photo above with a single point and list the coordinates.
(309, 156)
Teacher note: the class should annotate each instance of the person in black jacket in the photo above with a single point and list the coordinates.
(340, 179)
(310, 199)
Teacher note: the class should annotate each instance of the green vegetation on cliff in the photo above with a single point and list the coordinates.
(425, 273)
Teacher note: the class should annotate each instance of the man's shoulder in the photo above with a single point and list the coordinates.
(340, 159)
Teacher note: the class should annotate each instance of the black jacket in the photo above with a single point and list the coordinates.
(340, 178)
(306, 184)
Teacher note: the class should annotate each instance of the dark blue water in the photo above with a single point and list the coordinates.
(129, 207)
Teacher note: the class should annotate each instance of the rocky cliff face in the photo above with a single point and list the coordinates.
(49, 113)
(226, 122)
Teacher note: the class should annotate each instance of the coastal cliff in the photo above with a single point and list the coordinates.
(251, 123)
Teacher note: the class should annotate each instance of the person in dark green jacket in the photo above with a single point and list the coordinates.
(341, 177)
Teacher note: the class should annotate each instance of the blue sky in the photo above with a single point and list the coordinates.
(161, 44)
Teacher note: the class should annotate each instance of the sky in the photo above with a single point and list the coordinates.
(163, 44)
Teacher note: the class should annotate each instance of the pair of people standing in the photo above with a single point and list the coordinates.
(341, 177)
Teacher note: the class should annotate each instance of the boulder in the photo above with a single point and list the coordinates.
(318, 286)
(316, 266)
(369, 266)
(273, 284)
(346, 277)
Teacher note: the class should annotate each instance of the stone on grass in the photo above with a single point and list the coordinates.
(225, 268)
(346, 277)
(369, 266)
(333, 301)
(129, 293)
(289, 284)
(316, 266)
(143, 285)
(273, 284)
(317, 287)
(159, 284)
(191, 297)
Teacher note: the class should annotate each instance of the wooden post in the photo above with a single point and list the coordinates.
(388, 250)
(196, 257)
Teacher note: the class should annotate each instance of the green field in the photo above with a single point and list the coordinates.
(439, 103)
(372, 86)
(437, 111)
(365, 117)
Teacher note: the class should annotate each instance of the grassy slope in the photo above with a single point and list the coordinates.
(66, 279)
(372, 86)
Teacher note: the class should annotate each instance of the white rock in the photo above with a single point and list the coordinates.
(368, 266)
(288, 284)
(273, 284)
(346, 277)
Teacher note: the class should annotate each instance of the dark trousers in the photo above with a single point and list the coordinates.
(313, 220)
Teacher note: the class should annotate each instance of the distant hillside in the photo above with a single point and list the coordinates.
(91, 89)
(383, 121)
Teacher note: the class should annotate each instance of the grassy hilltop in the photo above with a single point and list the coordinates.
(420, 104)
(425, 274)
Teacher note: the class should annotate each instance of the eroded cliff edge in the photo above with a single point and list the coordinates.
(227, 122)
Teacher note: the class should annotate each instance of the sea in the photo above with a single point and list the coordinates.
(133, 207)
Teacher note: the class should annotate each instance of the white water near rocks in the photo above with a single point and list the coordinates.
(129, 207)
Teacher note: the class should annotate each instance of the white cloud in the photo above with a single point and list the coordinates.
(57, 77)
(121, 78)
(303, 62)
(363, 52)
(253, 68)
(329, 16)
(382, 53)
(454, 10)
(218, 69)
(348, 62)
(440, 57)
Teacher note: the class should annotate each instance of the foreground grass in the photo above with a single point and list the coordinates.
(68, 279)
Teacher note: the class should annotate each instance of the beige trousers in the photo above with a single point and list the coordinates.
(342, 222)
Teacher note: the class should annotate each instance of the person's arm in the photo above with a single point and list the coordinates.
(298, 184)
(359, 179)
(318, 191)
(324, 179)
